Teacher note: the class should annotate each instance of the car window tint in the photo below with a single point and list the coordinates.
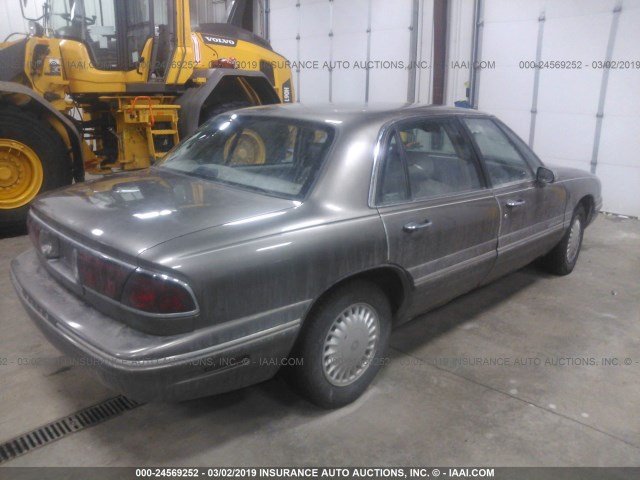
(439, 160)
(265, 154)
(504, 163)
(393, 187)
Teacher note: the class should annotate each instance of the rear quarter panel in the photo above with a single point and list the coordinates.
(293, 262)
(261, 264)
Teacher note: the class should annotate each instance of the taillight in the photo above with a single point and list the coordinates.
(148, 292)
(34, 232)
(102, 275)
(49, 245)
(160, 294)
(45, 241)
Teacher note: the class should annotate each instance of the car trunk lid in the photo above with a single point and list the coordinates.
(130, 213)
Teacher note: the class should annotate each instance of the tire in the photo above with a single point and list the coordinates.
(40, 156)
(562, 259)
(359, 312)
(252, 149)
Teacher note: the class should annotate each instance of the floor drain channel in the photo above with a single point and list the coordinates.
(63, 427)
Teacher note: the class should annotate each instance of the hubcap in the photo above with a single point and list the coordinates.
(21, 174)
(350, 344)
(573, 245)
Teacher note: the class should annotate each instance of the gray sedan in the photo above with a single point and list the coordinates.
(291, 238)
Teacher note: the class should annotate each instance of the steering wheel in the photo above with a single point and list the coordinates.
(79, 18)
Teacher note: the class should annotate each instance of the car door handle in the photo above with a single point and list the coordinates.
(414, 226)
(515, 203)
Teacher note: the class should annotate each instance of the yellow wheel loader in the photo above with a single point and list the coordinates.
(101, 86)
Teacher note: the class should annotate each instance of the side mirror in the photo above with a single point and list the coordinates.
(545, 176)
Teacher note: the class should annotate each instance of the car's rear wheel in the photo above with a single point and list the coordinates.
(343, 345)
(562, 259)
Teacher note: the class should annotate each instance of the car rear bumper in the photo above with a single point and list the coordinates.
(150, 367)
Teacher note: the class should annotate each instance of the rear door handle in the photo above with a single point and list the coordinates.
(515, 203)
(415, 226)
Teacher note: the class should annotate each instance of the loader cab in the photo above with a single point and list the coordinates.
(117, 33)
(141, 35)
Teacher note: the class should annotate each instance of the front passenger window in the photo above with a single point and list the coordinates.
(503, 161)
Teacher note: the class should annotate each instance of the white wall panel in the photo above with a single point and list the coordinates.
(620, 144)
(277, 4)
(389, 80)
(507, 85)
(458, 49)
(507, 43)
(284, 23)
(574, 8)
(314, 81)
(424, 77)
(386, 15)
(565, 139)
(512, 11)
(349, 83)
(390, 44)
(315, 18)
(582, 38)
(350, 38)
(507, 89)
(11, 18)
(619, 159)
(620, 186)
(568, 98)
(351, 16)
(315, 46)
(567, 106)
(387, 46)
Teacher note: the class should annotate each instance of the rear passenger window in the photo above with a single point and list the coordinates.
(439, 161)
(393, 187)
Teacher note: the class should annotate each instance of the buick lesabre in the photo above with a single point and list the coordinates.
(291, 237)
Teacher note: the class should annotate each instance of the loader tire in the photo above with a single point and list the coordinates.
(250, 148)
(208, 113)
(33, 159)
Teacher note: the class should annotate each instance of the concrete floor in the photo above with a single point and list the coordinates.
(423, 408)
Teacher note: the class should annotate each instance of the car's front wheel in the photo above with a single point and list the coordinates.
(343, 345)
(562, 259)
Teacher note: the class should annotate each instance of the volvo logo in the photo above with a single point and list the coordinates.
(227, 42)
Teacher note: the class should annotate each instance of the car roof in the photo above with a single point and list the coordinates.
(352, 114)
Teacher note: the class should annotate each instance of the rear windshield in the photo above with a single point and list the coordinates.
(279, 157)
